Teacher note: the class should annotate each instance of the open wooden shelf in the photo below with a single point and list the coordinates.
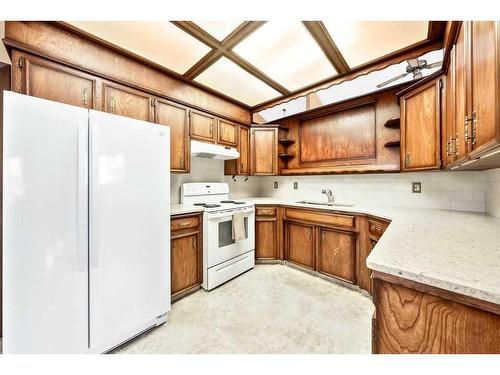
(286, 156)
(286, 141)
(392, 144)
(393, 123)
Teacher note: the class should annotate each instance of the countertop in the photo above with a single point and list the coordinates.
(452, 250)
(179, 209)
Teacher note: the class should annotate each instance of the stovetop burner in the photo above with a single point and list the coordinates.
(231, 201)
(206, 205)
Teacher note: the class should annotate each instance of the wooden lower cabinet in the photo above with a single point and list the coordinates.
(321, 241)
(413, 318)
(186, 254)
(337, 254)
(268, 233)
(300, 244)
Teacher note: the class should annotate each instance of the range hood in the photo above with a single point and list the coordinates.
(211, 151)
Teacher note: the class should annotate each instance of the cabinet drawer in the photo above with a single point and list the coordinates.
(321, 218)
(265, 211)
(377, 227)
(184, 223)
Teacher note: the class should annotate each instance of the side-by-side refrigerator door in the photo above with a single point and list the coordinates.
(45, 252)
(129, 228)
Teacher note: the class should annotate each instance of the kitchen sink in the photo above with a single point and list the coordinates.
(329, 204)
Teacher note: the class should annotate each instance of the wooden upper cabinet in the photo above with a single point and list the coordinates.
(300, 244)
(202, 126)
(227, 133)
(128, 102)
(485, 60)
(449, 138)
(176, 117)
(44, 79)
(460, 93)
(264, 151)
(337, 254)
(244, 150)
(420, 127)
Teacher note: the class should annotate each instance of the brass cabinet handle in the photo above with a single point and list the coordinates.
(222, 131)
(323, 236)
(309, 235)
(376, 228)
(474, 124)
(112, 104)
(407, 160)
(455, 145)
(84, 97)
(181, 160)
(185, 224)
(210, 129)
(194, 242)
(466, 129)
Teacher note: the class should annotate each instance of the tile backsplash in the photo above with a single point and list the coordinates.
(208, 170)
(465, 191)
(493, 192)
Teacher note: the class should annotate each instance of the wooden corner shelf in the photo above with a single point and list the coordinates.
(286, 156)
(392, 144)
(393, 123)
(286, 141)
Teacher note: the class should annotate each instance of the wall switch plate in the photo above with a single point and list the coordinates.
(416, 187)
(295, 185)
(275, 184)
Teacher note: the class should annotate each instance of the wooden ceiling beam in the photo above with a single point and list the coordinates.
(436, 30)
(224, 48)
(323, 38)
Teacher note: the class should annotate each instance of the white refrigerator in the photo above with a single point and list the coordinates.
(86, 227)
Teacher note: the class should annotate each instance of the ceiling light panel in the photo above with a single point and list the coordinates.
(286, 52)
(160, 42)
(363, 41)
(228, 78)
(218, 29)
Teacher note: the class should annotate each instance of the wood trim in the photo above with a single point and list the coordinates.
(323, 38)
(224, 48)
(436, 30)
(435, 291)
(449, 40)
(380, 63)
(142, 60)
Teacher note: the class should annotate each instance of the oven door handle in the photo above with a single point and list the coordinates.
(227, 214)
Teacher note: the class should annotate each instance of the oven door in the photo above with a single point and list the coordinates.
(221, 245)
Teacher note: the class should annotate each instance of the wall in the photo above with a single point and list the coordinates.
(442, 190)
(207, 170)
(4, 56)
(493, 192)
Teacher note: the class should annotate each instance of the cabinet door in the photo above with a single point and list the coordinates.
(127, 102)
(244, 150)
(420, 139)
(266, 238)
(300, 247)
(264, 152)
(449, 128)
(184, 263)
(176, 117)
(52, 81)
(336, 254)
(227, 133)
(461, 56)
(202, 126)
(484, 46)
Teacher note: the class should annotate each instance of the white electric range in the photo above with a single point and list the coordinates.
(223, 258)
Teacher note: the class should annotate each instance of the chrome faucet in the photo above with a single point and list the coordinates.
(329, 195)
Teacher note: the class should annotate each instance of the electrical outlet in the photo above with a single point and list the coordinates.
(275, 184)
(416, 187)
(295, 185)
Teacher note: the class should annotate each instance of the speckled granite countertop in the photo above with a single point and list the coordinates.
(451, 250)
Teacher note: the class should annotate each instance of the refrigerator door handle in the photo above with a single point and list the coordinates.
(82, 199)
